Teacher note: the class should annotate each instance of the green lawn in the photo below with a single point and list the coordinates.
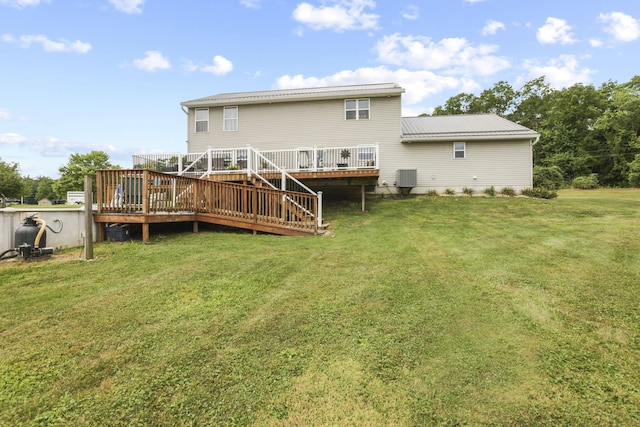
(424, 311)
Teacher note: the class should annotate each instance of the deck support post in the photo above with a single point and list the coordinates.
(363, 198)
(145, 232)
(195, 226)
(319, 225)
(88, 217)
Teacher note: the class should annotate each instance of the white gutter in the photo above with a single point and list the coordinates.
(453, 138)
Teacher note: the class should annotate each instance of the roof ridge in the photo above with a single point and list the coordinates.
(283, 94)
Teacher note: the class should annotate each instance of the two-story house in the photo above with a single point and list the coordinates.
(263, 160)
(356, 135)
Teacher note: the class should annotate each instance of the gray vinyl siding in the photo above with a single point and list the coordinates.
(492, 163)
(321, 123)
(300, 124)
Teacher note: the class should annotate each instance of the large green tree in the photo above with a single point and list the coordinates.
(568, 137)
(37, 189)
(10, 180)
(72, 174)
(30, 187)
(531, 104)
(44, 189)
(500, 99)
(620, 125)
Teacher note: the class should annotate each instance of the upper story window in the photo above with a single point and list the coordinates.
(202, 120)
(356, 109)
(459, 150)
(230, 119)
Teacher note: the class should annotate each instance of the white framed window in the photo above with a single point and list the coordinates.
(356, 109)
(459, 150)
(202, 120)
(230, 119)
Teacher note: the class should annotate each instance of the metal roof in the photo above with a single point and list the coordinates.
(463, 127)
(304, 94)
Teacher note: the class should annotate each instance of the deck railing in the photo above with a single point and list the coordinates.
(141, 191)
(245, 160)
(235, 161)
(316, 159)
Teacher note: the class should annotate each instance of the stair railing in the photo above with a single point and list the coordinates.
(262, 168)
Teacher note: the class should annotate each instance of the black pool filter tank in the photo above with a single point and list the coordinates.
(30, 240)
(28, 232)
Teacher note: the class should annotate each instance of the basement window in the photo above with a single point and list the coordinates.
(230, 119)
(356, 109)
(202, 120)
(459, 150)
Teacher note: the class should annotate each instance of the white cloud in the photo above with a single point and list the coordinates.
(411, 12)
(220, 66)
(152, 61)
(128, 6)
(555, 31)
(454, 55)
(52, 146)
(560, 72)
(342, 15)
(474, 1)
(251, 4)
(22, 3)
(25, 41)
(596, 42)
(7, 115)
(419, 84)
(622, 27)
(492, 27)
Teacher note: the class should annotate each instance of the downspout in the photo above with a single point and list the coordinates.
(533, 142)
(187, 113)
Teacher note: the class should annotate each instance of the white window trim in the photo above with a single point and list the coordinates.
(196, 121)
(357, 109)
(236, 119)
(464, 150)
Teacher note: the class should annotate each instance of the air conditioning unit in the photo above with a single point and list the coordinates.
(406, 178)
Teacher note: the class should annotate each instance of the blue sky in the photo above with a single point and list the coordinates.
(83, 75)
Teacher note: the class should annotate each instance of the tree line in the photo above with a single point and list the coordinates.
(589, 136)
(30, 190)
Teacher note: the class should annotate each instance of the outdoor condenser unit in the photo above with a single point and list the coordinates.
(406, 178)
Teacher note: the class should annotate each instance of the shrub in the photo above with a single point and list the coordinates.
(449, 192)
(432, 193)
(540, 193)
(468, 191)
(587, 182)
(508, 191)
(491, 191)
(547, 177)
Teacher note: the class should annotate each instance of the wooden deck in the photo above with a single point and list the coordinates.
(141, 196)
(302, 175)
